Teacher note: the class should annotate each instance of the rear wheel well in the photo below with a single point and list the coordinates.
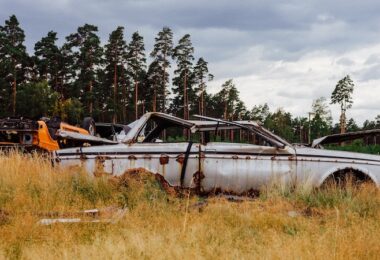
(345, 176)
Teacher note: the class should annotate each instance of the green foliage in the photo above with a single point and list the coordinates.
(227, 98)
(84, 47)
(183, 81)
(90, 189)
(280, 122)
(136, 64)
(201, 76)
(113, 92)
(13, 61)
(260, 112)
(70, 110)
(156, 90)
(36, 99)
(48, 61)
(342, 93)
(357, 146)
(157, 75)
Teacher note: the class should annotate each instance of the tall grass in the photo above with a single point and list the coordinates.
(280, 223)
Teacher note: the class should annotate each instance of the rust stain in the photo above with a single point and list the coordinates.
(180, 158)
(248, 157)
(99, 165)
(132, 157)
(198, 177)
(165, 185)
(83, 157)
(164, 159)
(102, 158)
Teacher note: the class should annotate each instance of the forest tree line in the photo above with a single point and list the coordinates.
(114, 83)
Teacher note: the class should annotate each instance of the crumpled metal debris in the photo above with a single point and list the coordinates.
(110, 215)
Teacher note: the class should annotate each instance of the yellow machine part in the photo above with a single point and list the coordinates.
(75, 129)
(44, 140)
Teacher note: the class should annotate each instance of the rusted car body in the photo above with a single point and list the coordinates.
(207, 164)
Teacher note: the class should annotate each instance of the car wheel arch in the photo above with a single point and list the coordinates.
(361, 172)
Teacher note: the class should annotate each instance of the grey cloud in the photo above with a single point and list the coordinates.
(345, 61)
(371, 73)
(373, 59)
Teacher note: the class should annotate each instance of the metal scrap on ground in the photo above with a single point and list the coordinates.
(110, 215)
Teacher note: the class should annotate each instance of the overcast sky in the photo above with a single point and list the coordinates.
(284, 53)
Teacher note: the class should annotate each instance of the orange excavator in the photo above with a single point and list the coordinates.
(45, 134)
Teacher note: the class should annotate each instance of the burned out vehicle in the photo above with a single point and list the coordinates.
(216, 155)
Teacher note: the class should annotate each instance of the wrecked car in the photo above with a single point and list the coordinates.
(46, 134)
(212, 155)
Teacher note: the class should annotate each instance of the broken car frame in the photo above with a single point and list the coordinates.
(204, 163)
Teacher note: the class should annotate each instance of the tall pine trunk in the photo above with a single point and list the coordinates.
(136, 99)
(185, 113)
(164, 86)
(124, 93)
(115, 90)
(343, 122)
(14, 88)
(91, 106)
(202, 99)
(14, 94)
(185, 105)
(225, 118)
(154, 98)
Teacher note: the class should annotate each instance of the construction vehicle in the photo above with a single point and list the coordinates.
(45, 134)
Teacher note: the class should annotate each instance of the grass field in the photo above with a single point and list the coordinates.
(277, 224)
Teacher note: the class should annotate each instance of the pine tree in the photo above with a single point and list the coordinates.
(162, 50)
(4, 86)
(87, 57)
(13, 56)
(136, 65)
(48, 57)
(155, 95)
(229, 96)
(280, 122)
(342, 95)
(183, 54)
(115, 54)
(201, 75)
(67, 72)
(321, 124)
(259, 113)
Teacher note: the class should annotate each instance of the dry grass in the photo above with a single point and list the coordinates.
(278, 224)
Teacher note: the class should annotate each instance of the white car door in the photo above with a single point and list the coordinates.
(176, 162)
(241, 168)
